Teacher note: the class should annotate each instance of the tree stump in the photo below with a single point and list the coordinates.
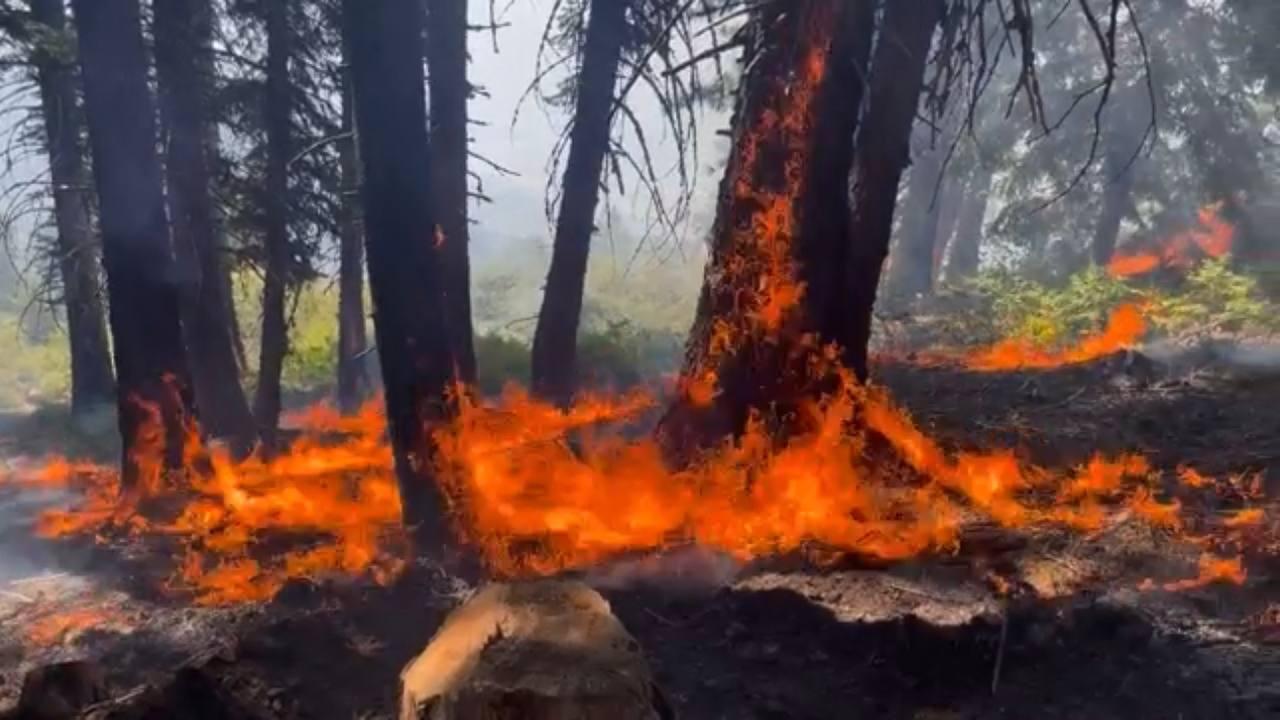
(544, 650)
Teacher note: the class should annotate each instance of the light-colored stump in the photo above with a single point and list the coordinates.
(544, 650)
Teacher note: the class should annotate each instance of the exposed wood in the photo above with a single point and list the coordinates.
(548, 649)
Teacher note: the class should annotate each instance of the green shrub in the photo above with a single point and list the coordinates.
(501, 360)
(1215, 298)
(32, 371)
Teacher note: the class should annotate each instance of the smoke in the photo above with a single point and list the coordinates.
(690, 571)
(1227, 356)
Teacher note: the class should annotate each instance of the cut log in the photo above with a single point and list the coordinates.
(544, 650)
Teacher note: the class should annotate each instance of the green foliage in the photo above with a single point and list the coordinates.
(33, 370)
(313, 339)
(1023, 309)
(1215, 298)
(501, 360)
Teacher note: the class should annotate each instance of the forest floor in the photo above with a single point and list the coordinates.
(928, 640)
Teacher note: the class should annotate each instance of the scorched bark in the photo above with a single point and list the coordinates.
(144, 299)
(92, 383)
(793, 149)
(353, 381)
(183, 30)
(405, 268)
(555, 341)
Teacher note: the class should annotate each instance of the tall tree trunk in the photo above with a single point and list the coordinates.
(353, 381)
(92, 384)
(183, 31)
(965, 254)
(156, 407)
(897, 77)
(555, 341)
(275, 331)
(911, 272)
(405, 267)
(777, 247)
(1117, 199)
(948, 217)
(447, 64)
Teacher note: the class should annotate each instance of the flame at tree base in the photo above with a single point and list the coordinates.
(534, 503)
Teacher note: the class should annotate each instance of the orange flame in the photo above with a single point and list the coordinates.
(1214, 238)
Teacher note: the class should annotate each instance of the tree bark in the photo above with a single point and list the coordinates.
(965, 253)
(405, 267)
(92, 383)
(1117, 199)
(353, 381)
(154, 398)
(183, 32)
(775, 277)
(948, 218)
(555, 340)
(447, 64)
(897, 77)
(275, 331)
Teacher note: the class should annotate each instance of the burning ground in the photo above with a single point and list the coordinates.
(1137, 617)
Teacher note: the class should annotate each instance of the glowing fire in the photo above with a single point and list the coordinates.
(1123, 330)
(537, 489)
(1214, 239)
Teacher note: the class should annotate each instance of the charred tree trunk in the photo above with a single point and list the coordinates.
(405, 267)
(897, 77)
(778, 245)
(447, 64)
(92, 384)
(555, 341)
(183, 31)
(1117, 199)
(275, 331)
(965, 254)
(156, 407)
(353, 381)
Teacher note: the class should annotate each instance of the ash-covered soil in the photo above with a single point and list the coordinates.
(1077, 637)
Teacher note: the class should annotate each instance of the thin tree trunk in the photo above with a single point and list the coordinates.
(156, 407)
(92, 383)
(555, 340)
(1117, 199)
(405, 268)
(965, 254)
(897, 77)
(447, 63)
(911, 272)
(776, 231)
(948, 217)
(353, 382)
(183, 31)
(275, 331)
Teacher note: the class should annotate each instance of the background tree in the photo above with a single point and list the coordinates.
(53, 54)
(405, 271)
(184, 67)
(155, 400)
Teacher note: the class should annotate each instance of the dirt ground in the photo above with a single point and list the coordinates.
(930, 640)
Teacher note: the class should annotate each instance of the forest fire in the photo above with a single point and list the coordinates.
(1213, 239)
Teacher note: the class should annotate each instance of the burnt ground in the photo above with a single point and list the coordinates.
(926, 641)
